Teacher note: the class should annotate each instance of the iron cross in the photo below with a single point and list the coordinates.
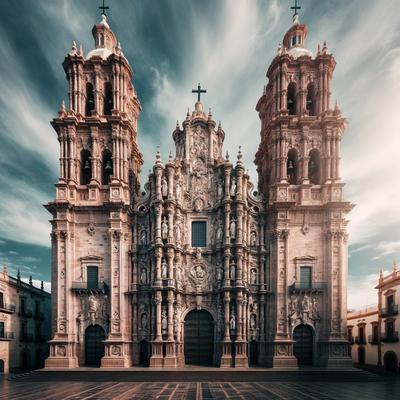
(295, 8)
(103, 8)
(199, 91)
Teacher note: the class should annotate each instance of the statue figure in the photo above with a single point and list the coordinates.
(219, 189)
(144, 321)
(253, 324)
(232, 321)
(232, 271)
(232, 229)
(164, 229)
(93, 305)
(199, 272)
(220, 274)
(164, 269)
(179, 274)
(220, 233)
(233, 187)
(178, 232)
(178, 191)
(143, 237)
(164, 321)
(253, 238)
(253, 277)
(164, 186)
(143, 275)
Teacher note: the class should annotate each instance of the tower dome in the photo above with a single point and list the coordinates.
(294, 39)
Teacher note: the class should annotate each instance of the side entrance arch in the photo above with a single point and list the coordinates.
(303, 337)
(199, 338)
(94, 346)
(390, 361)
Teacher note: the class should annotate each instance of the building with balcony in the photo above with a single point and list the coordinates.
(25, 324)
(373, 333)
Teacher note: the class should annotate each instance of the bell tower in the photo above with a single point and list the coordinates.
(99, 179)
(298, 167)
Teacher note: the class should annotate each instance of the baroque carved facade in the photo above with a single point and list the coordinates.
(199, 265)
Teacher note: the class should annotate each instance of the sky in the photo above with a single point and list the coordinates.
(226, 45)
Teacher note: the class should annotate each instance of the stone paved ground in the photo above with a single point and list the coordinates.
(34, 386)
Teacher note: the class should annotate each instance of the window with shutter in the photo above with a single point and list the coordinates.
(199, 234)
(305, 277)
(92, 277)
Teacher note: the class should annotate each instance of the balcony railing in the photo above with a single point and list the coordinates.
(25, 313)
(360, 340)
(390, 337)
(26, 337)
(372, 339)
(388, 311)
(8, 308)
(85, 287)
(299, 287)
(6, 335)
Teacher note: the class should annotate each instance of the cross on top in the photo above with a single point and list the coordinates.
(103, 8)
(295, 8)
(199, 91)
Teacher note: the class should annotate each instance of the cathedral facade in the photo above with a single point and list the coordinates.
(199, 266)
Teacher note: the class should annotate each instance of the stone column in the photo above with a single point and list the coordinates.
(227, 214)
(156, 359)
(226, 358)
(241, 356)
(170, 357)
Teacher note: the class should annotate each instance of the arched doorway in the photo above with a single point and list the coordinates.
(361, 355)
(1, 366)
(303, 344)
(94, 346)
(144, 353)
(390, 361)
(253, 353)
(199, 338)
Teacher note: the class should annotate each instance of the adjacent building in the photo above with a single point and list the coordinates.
(200, 266)
(25, 324)
(373, 333)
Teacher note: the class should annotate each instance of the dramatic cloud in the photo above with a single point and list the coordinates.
(173, 45)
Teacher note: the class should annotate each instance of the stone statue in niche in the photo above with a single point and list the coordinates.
(164, 229)
(220, 233)
(232, 229)
(219, 189)
(93, 304)
(220, 274)
(233, 187)
(144, 322)
(232, 271)
(143, 275)
(164, 269)
(179, 274)
(253, 277)
(253, 238)
(178, 232)
(232, 321)
(164, 321)
(143, 236)
(164, 187)
(178, 191)
(253, 322)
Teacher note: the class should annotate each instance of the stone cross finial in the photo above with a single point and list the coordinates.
(199, 91)
(103, 9)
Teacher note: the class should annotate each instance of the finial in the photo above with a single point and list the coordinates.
(227, 156)
(158, 156)
(265, 90)
(41, 286)
(394, 266)
(279, 51)
(337, 109)
(62, 109)
(19, 276)
(209, 114)
(170, 156)
(239, 156)
(199, 90)
(30, 280)
(81, 50)
(119, 48)
(5, 269)
(295, 8)
(219, 125)
(325, 48)
(177, 125)
(103, 9)
(73, 48)
(381, 274)
(319, 49)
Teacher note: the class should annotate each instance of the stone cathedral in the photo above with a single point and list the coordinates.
(199, 266)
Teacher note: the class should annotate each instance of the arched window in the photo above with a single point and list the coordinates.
(107, 165)
(86, 167)
(108, 98)
(89, 99)
(314, 173)
(311, 106)
(292, 167)
(291, 99)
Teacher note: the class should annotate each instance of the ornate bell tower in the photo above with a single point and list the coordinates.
(298, 165)
(99, 179)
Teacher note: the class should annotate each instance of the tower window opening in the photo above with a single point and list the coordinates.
(293, 40)
(291, 99)
(314, 167)
(107, 165)
(89, 99)
(108, 98)
(311, 106)
(199, 234)
(292, 167)
(86, 167)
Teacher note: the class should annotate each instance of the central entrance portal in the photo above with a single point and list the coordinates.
(199, 338)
